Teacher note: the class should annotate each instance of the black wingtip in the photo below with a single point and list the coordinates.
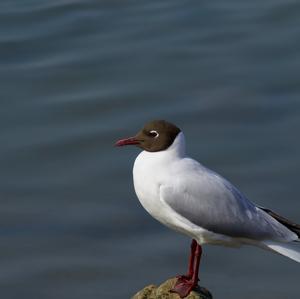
(292, 226)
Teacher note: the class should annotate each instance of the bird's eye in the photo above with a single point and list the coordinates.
(153, 134)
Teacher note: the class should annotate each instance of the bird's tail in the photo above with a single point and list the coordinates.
(290, 250)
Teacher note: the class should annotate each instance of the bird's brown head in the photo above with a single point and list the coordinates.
(155, 136)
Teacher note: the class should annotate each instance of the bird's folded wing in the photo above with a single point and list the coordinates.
(294, 227)
(212, 203)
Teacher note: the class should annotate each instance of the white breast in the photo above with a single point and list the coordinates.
(150, 172)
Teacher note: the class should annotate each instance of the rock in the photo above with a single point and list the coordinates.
(163, 292)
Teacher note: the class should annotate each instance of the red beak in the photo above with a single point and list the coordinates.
(127, 141)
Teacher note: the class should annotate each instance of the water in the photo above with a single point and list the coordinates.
(77, 75)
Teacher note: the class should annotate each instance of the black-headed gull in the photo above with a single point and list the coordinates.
(189, 198)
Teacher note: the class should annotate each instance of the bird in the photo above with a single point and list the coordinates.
(189, 198)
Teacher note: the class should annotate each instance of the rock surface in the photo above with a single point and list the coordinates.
(163, 292)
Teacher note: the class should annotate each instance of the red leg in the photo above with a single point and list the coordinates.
(198, 254)
(184, 286)
(191, 259)
(190, 271)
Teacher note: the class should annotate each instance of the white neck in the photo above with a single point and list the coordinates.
(175, 150)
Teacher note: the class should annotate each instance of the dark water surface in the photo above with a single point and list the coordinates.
(77, 75)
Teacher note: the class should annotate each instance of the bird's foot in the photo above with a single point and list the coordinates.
(183, 277)
(183, 286)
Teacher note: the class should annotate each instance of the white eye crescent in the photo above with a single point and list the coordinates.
(154, 133)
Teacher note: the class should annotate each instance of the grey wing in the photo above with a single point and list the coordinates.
(213, 203)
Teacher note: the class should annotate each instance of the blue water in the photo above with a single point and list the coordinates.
(78, 75)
